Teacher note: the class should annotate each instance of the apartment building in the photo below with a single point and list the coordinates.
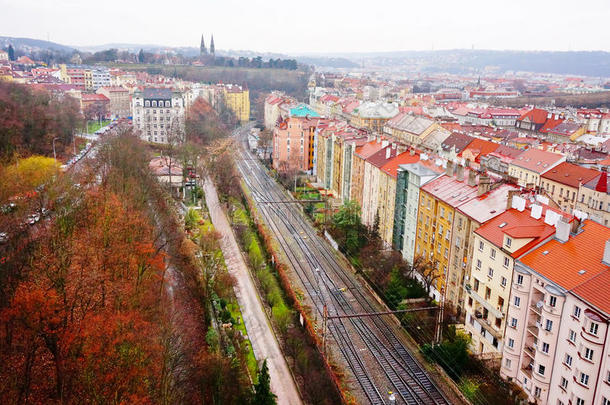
(594, 199)
(469, 216)
(562, 183)
(556, 346)
(120, 100)
(362, 153)
(410, 129)
(373, 115)
(293, 144)
(237, 99)
(158, 115)
(497, 245)
(438, 201)
(531, 164)
(409, 179)
(371, 181)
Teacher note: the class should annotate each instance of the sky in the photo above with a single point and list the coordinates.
(316, 26)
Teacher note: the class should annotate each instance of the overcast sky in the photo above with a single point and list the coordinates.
(316, 25)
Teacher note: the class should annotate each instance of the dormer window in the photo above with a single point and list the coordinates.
(509, 242)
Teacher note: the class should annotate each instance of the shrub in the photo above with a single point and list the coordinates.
(282, 315)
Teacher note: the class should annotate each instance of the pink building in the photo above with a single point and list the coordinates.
(293, 144)
(556, 343)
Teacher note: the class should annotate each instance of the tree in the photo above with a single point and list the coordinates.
(262, 390)
(141, 56)
(349, 226)
(427, 270)
(11, 53)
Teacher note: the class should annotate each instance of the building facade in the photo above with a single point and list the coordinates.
(158, 115)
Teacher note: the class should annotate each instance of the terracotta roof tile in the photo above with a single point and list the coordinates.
(570, 174)
(537, 160)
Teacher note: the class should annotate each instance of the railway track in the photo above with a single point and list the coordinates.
(321, 275)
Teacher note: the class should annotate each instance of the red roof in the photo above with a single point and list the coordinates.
(382, 156)
(368, 149)
(480, 147)
(517, 224)
(570, 174)
(563, 263)
(391, 167)
(535, 115)
(94, 97)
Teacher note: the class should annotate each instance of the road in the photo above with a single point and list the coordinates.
(371, 348)
(264, 342)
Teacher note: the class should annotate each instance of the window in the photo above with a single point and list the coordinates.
(593, 328)
(584, 379)
(541, 369)
(588, 354)
(487, 293)
(545, 347)
(507, 363)
(553, 301)
(492, 254)
(507, 263)
(509, 241)
(568, 360)
(549, 325)
(481, 246)
(580, 401)
(503, 281)
(576, 312)
(447, 234)
(517, 301)
(605, 401)
(511, 343)
(537, 392)
(490, 272)
(513, 322)
(572, 336)
(476, 285)
(564, 382)
(520, 279)
(478, 264)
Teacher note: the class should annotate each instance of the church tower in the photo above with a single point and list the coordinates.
(202, 49)
(212, 49)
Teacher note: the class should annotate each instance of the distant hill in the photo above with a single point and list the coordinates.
(33, 45)
(587, 63)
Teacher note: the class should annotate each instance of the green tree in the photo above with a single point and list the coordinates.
(11, 53)
(262, 389)
(141, 56)
(347, 222)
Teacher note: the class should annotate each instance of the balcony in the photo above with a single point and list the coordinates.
(527, 370)
(530, 351)
(533, 329)
(536, 310)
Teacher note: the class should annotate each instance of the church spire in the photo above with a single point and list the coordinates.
(212, 49)
(202, 50)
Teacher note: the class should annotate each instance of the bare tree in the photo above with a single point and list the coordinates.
(427, 270)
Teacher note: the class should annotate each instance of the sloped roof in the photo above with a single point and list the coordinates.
(537, 160)
(391, 167)
(535, 115)
(458, 140)
(480, 147)
(517, 224)
(562, 262)
(368, 149)
(600, 183)
(450, 190)
(570, 174)
(381, 157)
(486, 206)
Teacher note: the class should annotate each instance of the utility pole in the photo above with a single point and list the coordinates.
(54, 154)
(325, 314)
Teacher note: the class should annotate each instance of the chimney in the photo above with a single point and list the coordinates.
(606, 258)
(562, 230)
(401, 148)
(460, 173)
(412, 151)
(575, 225)
(484, 184)
(449, 170)
(384, 143)
(472, 178)
(388, 151)
(509, 200)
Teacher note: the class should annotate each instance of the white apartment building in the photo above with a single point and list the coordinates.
(158, 115)
(557, 346)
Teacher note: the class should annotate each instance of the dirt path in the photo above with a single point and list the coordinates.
(261, 335)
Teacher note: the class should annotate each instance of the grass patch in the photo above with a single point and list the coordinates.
(251, 362)
(95, 125)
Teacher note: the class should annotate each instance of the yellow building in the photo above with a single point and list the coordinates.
(88, 75)
(237, 100)
(438, 201)
(531, 164)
